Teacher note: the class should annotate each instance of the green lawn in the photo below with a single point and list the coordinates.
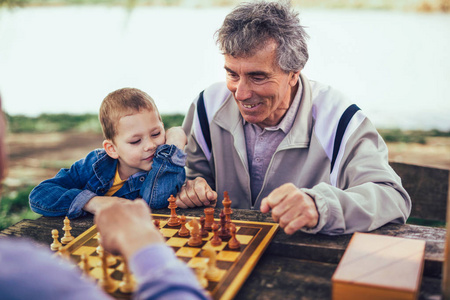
(14, 207)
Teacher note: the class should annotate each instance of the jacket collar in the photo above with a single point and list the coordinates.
(300, 134)
(105, 167)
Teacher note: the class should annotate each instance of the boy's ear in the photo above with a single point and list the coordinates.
(110, 149)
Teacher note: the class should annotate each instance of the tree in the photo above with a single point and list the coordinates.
(11, 3)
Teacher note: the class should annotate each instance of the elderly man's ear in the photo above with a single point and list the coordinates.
(293, 78)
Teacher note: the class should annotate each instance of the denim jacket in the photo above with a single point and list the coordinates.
(68, 192)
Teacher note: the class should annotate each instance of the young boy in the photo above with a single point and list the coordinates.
(138, 160)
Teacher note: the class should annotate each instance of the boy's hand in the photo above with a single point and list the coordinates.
(196, 192)
(99, 203)
(176, 136)
(126, 226)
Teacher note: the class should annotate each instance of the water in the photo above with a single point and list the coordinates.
(394, 65)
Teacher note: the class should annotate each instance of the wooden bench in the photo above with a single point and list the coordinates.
(428, 189)
(430, 196)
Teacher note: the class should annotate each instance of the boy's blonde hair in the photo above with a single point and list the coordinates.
(120, 103)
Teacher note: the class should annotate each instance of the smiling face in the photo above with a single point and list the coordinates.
(263, 92)
(138, 136)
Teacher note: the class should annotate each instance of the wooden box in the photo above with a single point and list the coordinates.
(379, 267)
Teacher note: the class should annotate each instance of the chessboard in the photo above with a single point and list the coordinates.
(234, 265)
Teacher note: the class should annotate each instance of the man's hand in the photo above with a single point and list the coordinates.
(176, 136)
(126, 226)
(291, 208)
(196, 193)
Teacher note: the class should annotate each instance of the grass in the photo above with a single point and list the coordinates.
(69, 122)
(424, 222)
(410, 136)
(14, 207)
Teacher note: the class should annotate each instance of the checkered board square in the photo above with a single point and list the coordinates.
(234, 265)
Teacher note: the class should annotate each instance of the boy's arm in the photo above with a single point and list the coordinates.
(168, 171)
(99, 203)
(67, 193)
(176, 136)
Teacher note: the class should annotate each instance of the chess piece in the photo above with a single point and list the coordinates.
(156, 222)
(203, 231)
(105, 282)
(85, 264)
(233, 243)
(200, 271)
(174, 220)
(209, 218)
(227, 208)
(127, 284)
(62, 252)
(216, 240)
(56, 244)
(110, 259)
(224, 233)
(195, 239)
(99, 246)
(67, 238)
(212, 272)
(183, 230)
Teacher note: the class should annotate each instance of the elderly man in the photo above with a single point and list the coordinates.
(279, 142)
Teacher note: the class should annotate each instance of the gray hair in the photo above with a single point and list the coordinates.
(250, 26)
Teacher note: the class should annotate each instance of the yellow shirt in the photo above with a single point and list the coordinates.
(117, 184)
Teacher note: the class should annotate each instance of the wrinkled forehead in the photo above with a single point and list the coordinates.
(264, 59)
(252, 49)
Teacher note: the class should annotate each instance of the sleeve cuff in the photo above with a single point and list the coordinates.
(172, 153)
(76, 208)
(152, 258)
(322, 210)
(179, 157)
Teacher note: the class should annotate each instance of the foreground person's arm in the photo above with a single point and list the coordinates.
(127, 229)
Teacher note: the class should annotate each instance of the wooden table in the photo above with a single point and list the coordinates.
(293, 267)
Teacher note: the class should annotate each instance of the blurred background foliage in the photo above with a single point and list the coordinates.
(14, 207)
(45, 123)
(416, 5)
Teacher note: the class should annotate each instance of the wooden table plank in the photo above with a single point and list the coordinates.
(277, 277)
(293, 267)
(318, 247)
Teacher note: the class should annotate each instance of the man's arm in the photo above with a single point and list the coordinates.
(127, 229)
(32, 272)
(196, 191)
(368, 193)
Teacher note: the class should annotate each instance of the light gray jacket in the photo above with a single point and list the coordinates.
(361, 193)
